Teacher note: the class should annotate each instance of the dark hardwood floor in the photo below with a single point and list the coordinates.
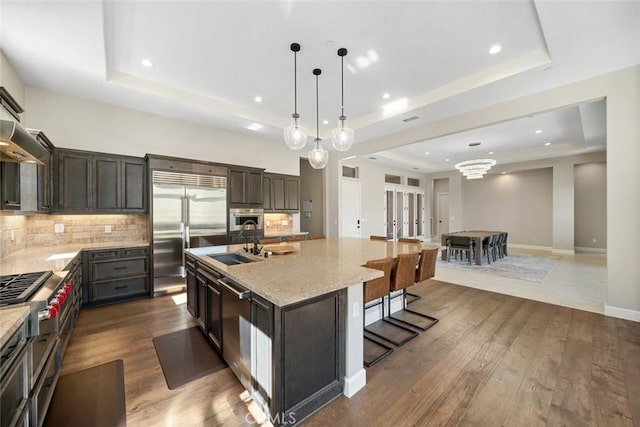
(491, 360)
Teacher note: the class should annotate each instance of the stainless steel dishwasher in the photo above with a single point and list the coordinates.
(236, 329)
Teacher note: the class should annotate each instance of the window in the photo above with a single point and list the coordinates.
(413, 182)
(349, 172)
(392, 179)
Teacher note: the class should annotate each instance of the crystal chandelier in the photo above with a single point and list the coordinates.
(318, 157)
(295, 135)
(342, 137)
(475, 169)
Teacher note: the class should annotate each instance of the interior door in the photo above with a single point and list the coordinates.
(420, 215)
(411, 214)
(400, 217)
(443, 213)
(350, 209)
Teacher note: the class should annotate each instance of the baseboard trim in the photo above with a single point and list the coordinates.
(533, 247)
(563, 251)
(354, 383)
(622, 313)
(596, 250)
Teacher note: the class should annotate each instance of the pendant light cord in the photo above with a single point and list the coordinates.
(342, 88)
(295, 87)
(317, 116)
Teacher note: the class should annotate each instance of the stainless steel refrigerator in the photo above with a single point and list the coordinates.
(188, 211)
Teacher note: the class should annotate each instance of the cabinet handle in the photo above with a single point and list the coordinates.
(121, 287)
(120, 268)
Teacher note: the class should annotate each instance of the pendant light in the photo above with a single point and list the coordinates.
(295, 135)
(318, 157)
(342, 137)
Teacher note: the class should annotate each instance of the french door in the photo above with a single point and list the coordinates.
(404, 212)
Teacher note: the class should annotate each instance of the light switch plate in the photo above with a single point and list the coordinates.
(58, 228)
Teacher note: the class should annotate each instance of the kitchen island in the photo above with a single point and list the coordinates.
(302, 341)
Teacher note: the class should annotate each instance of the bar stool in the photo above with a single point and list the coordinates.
(425, 271)
(376, 289)
(404, 276)
(269, 241)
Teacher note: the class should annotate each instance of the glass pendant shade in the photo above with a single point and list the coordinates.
(318, 157)
(295, 136)
(342, 137)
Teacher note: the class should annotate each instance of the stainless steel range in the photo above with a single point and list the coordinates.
(32, 357)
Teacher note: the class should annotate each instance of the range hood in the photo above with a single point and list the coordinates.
(17, 144)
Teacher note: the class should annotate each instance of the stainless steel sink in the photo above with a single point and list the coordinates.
(232, 258)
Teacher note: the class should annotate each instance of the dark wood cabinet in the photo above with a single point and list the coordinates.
(44, 175)
(100, 183)
(115, 275)
(283, 193)
(206, 300)
(192, 286)
(10, 187)
(245, 187)
(201, 313)
(267, 197)
(75, 182)
(214, 312)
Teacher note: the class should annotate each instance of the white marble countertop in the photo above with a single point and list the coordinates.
(10, 320)
(315, 268)
(53, 258)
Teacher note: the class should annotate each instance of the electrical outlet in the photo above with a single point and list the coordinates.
(107, 229)
(58, 228)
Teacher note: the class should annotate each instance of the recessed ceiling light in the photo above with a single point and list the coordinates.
(147, 63)
(386, 95)
(427, 153)
(255, 126)
(325, 122)
(495, 49)
(490, 152)
(539, 131)
(258, 99)
(446, 160)
(547, 143)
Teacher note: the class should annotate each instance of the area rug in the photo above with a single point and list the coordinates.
(185, 356)
(521, 266)
(91, 397)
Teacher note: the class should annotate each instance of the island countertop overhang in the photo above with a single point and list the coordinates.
(315, 268)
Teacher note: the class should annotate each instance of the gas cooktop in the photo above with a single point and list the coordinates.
(18, 288)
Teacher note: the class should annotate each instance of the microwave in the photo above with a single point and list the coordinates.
(238, 218)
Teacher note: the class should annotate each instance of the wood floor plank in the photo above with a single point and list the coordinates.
(480, 358)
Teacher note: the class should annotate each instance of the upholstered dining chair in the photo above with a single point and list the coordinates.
(459, 243)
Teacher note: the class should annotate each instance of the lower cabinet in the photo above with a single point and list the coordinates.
(192, 286)
(114, 275)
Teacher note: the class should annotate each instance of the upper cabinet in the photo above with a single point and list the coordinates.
(245, 187)
(10, 187)
(100, 183)
(282, 194)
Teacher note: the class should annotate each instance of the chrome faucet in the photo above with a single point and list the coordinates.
(256, 247)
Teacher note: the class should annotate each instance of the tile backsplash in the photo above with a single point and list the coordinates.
(19, 232)
(278, 223)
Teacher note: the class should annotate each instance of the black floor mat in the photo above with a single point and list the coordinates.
(91, 397)
(185, 356)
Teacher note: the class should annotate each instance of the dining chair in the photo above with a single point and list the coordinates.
(504, 244)
(488, 247)
(459, 243)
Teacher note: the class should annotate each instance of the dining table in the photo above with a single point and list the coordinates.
(476, 235)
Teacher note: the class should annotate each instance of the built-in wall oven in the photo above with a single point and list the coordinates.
(239, 217)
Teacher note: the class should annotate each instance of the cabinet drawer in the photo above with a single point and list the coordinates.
(134, 252)
(119, 288)
(120, 268)
(105, 254)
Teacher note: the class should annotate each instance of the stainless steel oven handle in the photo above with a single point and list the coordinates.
(240, 294)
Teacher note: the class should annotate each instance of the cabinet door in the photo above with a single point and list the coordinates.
(192, 291)
(261, 359)
(10, 190)
(214, 313)
(236, 187)
(107, 189)
(134, 185)
(279, 203)
(201, 315)
(74, 182)
(292, 186)
(267, 202)
(253, 190)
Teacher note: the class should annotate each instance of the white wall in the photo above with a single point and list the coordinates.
(10, 80)
(590, 205)
(312, 188)
(81, 124)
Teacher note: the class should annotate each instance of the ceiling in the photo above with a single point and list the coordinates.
(212, 58)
